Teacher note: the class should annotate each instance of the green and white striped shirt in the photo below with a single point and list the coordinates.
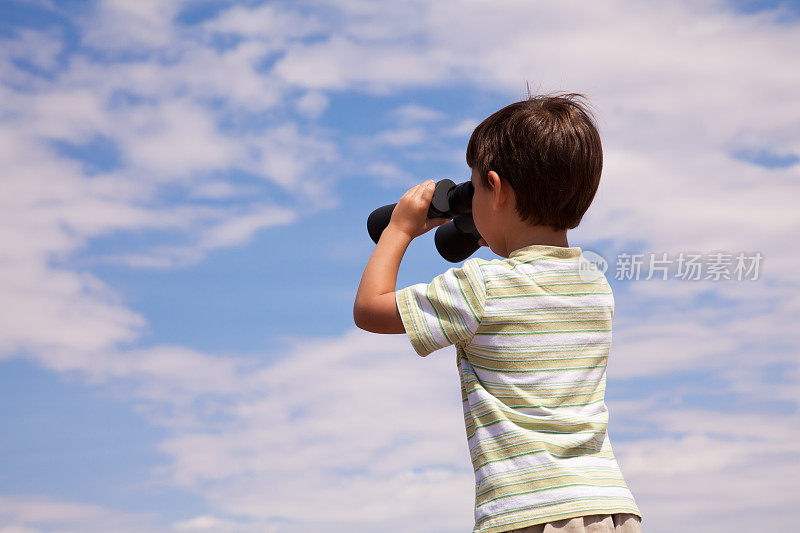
(532, 341)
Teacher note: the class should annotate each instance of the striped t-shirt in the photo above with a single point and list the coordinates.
(532, 337)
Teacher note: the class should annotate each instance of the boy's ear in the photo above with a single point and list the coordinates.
(499, 191)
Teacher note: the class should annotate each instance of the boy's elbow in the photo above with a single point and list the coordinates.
(379, 315)
(359, 317)
(366, 319)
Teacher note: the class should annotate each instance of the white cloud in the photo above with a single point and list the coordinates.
(265, 22)
(391, 175)
(27, 514)
(288, 157)
(120, 26)
(212, 523)
(71, 321)
(417, 113)
(342, 63)
(462, 128)
(221, 189)
(312, 104)
(401, 137)
(39, 48)
(371, 422)
(232, 231)
(725, 471)
(168, 136)
(176, 138)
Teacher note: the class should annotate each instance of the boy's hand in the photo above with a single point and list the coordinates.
(410, 215)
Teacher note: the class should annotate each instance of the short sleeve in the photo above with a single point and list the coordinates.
(446, 311)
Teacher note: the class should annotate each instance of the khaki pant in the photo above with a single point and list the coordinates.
(596, 523)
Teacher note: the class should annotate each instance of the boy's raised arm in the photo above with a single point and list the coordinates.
(375, 307)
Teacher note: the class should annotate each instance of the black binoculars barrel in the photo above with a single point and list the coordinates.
(378, 220)
(456, 240)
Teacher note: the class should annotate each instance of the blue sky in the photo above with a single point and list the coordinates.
(186, 187)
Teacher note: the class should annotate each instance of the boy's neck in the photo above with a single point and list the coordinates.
(530, 235)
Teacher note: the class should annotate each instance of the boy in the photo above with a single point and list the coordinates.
(532, 332)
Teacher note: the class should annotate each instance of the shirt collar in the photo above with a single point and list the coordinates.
(545, 250)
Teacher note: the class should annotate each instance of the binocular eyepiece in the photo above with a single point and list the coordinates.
(455, 240)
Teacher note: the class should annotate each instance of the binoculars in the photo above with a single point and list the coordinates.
(455, 240)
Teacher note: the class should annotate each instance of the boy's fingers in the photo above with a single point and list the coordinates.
(426, 187)
(427, 190)
(435, 222)
(423, 192)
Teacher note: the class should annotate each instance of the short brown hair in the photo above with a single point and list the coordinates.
(548, 150)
